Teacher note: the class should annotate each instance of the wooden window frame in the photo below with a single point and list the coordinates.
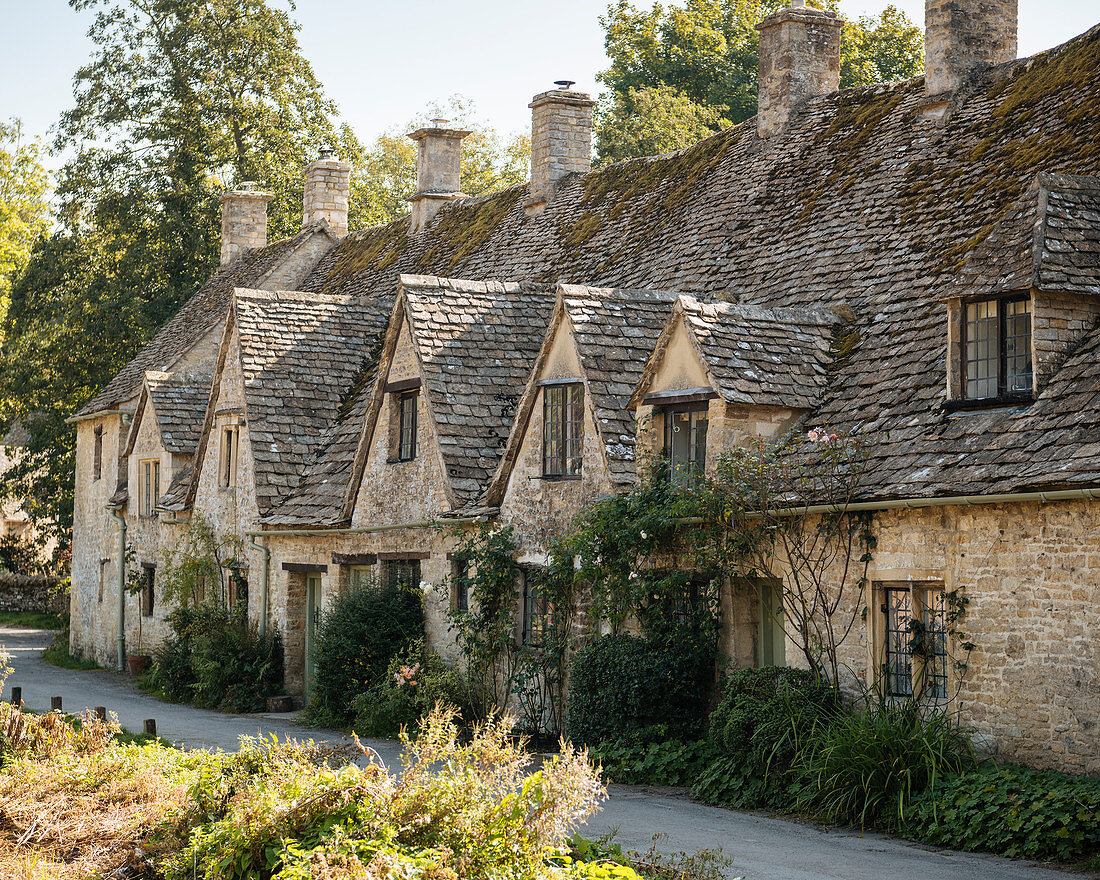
(920, 601)
(230, 453)
(534, 612)
(563, 465)
(97, 454)
(407, 423)
(148, 486)
(1003, 395)
(390, 580)
(692, 409)
(460, 583)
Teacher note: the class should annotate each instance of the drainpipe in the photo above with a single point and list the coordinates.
(113, 513)
(265, 581)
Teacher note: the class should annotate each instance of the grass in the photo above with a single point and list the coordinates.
(57, 654)
(33, 620)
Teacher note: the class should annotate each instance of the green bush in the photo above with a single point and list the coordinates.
(621, 684)
(1014, 811)
(762, 717)
(417, 680)
(217, 659)
(865, 767)
(356, 640)
(645, 759)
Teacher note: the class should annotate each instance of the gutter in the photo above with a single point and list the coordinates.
(368, 530)
(265, 580)
(113, 513)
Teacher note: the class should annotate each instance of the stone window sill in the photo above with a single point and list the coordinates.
(559, 478)
(1004, 400)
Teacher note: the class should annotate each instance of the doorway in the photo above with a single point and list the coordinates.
(773, 637)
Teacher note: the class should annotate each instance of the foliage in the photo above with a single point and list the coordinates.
(417, 680)
(57, 654)
(217, 659)
(1014, 811)
(24, 204)
(706, 864)
(769, 492)
(274, 810)
(647, 759)
(194, 569)
(762, 718)
(865, 767)
(34, 619)
(623, 685)
(698, 63)
(357, 637)
(18, 555)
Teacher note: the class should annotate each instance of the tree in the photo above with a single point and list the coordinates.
(24, 209)
(180, 98)
(384, 177)
(696, 68)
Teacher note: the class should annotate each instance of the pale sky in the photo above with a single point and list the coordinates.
(383, 61)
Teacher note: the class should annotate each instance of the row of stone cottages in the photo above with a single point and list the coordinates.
(332, 396)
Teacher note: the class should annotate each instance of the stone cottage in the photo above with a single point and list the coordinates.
(331, 398)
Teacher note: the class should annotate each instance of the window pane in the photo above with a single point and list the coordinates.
(407, 428)
(553, 397)
(360, 576)
(573, 429)
(678, 431)
(981, 349)
(898, 607)
(935, 644)
(1018, 346)
(699, 441)
(403, 573)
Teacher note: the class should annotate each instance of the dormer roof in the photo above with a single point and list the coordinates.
(179, 402)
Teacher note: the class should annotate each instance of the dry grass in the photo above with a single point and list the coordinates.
(72, 803)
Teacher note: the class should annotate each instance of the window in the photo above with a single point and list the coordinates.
(238, 589)
(398, 573)
(460, 584)
(149, 480)
(230, 442)
(148, 586)
(406, 425)
(915, 648)
(686, 441)
(562, 430)
(97, 454)
(997, 349)
(535, 617)
(772, 648)
(360, 576)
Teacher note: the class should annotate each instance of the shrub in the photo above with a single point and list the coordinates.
(218, 660)
(762, 717)
(417, 680)
(621, 684)
(646, 759)
(1014, 811)
(865, 767)
(356, 640)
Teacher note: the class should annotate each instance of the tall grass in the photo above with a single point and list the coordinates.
(866, 767)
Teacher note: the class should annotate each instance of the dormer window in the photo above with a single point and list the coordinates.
(997, 349)
(686, 440)
(149, 480)
(562, 429)
(406, 428)
(227, 477)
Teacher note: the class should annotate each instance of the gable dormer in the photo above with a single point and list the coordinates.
(721, 374)
(1027, 295)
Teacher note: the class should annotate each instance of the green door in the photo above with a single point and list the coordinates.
(313, 614)
(773, 640)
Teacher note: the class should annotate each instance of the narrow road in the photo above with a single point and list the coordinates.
(761, 847)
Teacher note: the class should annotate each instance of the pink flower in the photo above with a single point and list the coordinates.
(814, 435)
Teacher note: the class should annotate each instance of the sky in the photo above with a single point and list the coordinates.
(384, 61)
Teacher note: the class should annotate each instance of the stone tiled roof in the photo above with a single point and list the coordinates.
(205, 309)
(180, 406)
(300, 356)
(174, 498)
(1049, 240)
(477, 344)
(762, 357)
(615, 331)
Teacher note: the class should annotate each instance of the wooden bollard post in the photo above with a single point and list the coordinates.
(55, 704)
(150, 726)
(17, 696)
(101, 713)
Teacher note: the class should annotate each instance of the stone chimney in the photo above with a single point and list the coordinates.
(799, 60)
(438, 171)
(244, 220)
(961, 36)
(561, 140)
(328, 186)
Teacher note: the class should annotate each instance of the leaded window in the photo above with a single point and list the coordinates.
(934, 643)
(686, 441)
(562, 430)
(536, 613)
(150, 486)
(402, 573)
(898, 609)
(406, 431)
(915, 649)
(997, 349)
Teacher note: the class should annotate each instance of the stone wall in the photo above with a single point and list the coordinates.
(961, 35)
(32, 592)
(561, 141)
(327, 187)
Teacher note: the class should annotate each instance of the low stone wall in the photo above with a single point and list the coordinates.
(33, 592)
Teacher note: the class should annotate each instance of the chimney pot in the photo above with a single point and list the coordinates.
(799, 60)
(561, 141)
(244, 220)
(326, 193)
(438, 171)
